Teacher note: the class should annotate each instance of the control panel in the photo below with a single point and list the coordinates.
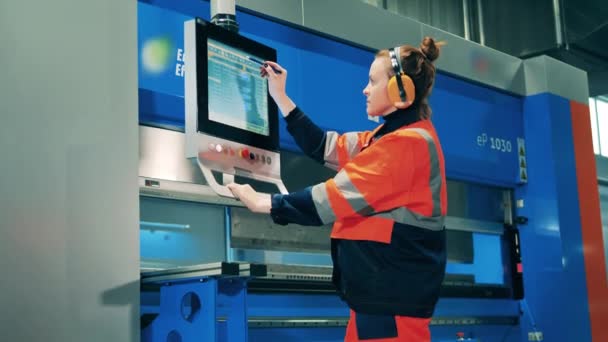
(245, 153)
(236, 158)
(231, 158)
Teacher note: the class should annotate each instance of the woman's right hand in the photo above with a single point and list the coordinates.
(276, 86)
(276, 81)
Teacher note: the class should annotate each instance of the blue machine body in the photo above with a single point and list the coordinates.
(479, 129)
(479, 126)
(552, 205)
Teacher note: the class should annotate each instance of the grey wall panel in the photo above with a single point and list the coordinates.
(361, 23)
(162, 155)
(478, 63)
(603, 191)
(536, 75)
(567, 81)
(598, 83)
(287, 10)
(68, 193)
(602, 169)
(546, 74)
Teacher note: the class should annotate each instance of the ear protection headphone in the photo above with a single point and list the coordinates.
(400, 87)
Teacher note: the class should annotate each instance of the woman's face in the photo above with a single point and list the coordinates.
(378, 103)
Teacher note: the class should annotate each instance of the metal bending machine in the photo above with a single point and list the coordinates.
(213, 271)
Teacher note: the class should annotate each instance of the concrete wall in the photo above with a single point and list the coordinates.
(69, 236)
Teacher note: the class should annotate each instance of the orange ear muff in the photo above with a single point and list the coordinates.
(400, 87)
(394, 93)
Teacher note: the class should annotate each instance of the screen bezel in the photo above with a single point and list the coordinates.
(204, 31)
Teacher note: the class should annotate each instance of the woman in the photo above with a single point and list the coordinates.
(387, 201)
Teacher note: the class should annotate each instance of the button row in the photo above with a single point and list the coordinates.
(242, 153)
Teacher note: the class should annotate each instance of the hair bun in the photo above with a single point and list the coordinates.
(430, 48)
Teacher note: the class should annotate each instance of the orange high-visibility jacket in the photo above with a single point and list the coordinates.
(399, 179)
(387, 204)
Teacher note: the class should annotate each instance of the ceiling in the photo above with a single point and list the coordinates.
(585, 45)
(573, 31)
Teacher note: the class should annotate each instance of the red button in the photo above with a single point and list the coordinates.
(244, 153)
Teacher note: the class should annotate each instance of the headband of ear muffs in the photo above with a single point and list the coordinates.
(400, 87)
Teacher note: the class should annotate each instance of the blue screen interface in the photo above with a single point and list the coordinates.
(237, 93)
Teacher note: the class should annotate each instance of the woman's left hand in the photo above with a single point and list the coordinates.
(256, 202)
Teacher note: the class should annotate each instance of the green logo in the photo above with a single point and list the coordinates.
(155, 55)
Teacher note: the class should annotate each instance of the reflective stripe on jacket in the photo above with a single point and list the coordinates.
(387, 203)
(398, 178)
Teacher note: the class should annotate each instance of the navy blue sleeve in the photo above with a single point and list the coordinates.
(309, 137)
(296, 207)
